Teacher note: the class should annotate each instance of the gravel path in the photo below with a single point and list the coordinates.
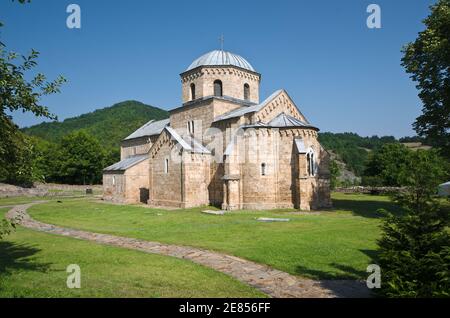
(272, 282)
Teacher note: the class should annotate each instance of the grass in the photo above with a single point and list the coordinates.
(334, 244)
(33, 264)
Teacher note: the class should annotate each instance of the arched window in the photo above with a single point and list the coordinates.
(263, 169)
(218, 88)
(246, 91)
(311, 165)
(166, 165)
(192, 91)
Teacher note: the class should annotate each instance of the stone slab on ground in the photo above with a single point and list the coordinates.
(273, 220)
(219, 212)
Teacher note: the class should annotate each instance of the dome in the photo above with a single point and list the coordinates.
(218, 57)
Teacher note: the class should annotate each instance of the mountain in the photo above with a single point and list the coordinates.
(109, 125)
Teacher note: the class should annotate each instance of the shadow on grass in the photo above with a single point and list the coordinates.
(345, 271)
(19, 257)
(350, 282)
(366, 208)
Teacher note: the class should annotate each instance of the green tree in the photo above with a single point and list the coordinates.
(334, 174)
(386, 165)
(427, 59)
(414, 249)
(81, 159)
(17, 93)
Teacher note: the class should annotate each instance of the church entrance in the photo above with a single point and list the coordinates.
(144, 195)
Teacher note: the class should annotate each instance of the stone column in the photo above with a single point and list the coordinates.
(231, 193)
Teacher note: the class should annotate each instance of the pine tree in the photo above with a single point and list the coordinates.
(414, 250)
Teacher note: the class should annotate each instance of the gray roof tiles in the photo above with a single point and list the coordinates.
(149, 129)
(187, 142)
(245, 110)
(283, 120)
(126, 163)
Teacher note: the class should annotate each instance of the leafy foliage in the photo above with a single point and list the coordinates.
(385, 166)
(414, 250)
(427, 59)
(17, 92)
(81, 159)
(334, 174)
(352, 148)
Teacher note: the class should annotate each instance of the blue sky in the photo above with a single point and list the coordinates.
(342, 75)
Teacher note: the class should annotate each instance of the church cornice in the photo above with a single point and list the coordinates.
(205, 100)
(218, 70)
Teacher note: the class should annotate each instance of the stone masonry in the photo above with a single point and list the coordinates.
(224, 147)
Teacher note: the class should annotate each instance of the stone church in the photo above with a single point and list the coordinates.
(223, 147)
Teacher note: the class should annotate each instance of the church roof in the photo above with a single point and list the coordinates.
(247, 109)
(283, 120)
(126, 163)
(220, 57)
(149, 129)
(187, 142)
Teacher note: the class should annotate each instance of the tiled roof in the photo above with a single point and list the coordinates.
(245, 110)
(126, 163)
(149, 129)
(187, 142)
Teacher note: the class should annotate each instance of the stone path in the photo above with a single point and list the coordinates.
(273, 282)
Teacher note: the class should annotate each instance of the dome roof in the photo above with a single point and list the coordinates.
(219, 57)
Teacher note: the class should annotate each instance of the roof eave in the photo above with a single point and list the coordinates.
(195, 69)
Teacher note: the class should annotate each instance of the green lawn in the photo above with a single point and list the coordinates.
(23, 200)
(33, 264)
(338, 243)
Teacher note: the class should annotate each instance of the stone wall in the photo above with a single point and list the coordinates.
(286, 183)
(280, 103)
(233, 80)
(370, 190)
(46, 189)
(136, 146)
(196, 176)
(114, 185)
(165, 188)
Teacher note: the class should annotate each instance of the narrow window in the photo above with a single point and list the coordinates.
(218, 88)
(263, 169)
(310, 163)
(190, 127)
(166, 165)
(192, 91)
(246, 91)
(114, 180)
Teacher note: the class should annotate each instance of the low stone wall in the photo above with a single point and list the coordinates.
(369, 190)
(47, 189)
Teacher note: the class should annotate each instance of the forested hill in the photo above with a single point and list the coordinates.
(353, 149)
(109, 125)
